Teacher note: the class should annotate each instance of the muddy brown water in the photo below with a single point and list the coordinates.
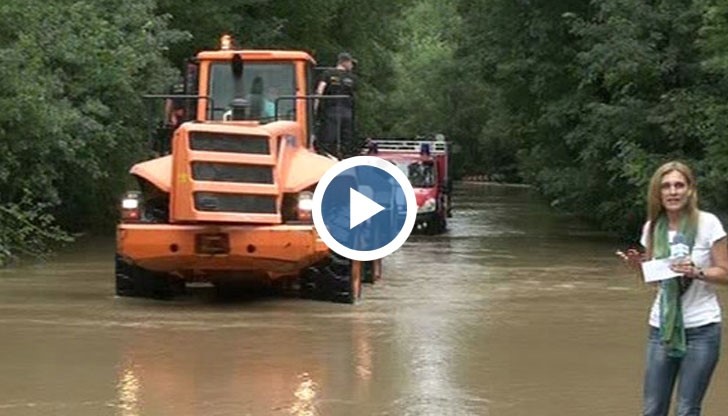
(515, 311)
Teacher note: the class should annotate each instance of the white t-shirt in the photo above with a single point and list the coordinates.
(699, 303)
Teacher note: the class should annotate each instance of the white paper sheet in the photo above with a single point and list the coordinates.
(656, 270)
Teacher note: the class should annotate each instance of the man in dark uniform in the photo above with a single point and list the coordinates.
(174, 115)
(336, 135)
(174, 108)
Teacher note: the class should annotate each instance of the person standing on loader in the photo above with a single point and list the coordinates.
(174, 108)
(336, 135)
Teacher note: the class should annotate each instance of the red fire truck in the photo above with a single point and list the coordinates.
(427, 165)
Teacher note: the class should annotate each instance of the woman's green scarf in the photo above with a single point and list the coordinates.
(672, 329)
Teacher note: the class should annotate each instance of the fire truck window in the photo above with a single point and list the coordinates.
(420, 174)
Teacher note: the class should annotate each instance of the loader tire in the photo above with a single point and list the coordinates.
(137, 282)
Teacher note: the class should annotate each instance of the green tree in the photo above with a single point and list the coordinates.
(645, 99)
(423, 66)
(73, 121)
(590, 98)
(713, 43)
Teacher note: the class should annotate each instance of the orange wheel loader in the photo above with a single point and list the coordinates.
(230, 201)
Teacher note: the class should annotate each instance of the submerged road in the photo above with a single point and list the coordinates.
(515, 311)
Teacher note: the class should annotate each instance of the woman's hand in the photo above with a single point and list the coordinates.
(632, 258)
(686, 268)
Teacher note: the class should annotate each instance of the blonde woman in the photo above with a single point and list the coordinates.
(685, 329)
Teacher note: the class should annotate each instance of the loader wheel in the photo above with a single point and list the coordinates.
(310, 283)
(338, 280)
(137, 282)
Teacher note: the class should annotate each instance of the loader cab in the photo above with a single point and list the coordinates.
(273, 86)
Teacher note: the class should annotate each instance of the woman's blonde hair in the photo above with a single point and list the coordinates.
(654, 196)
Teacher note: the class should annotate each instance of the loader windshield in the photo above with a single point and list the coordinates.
(263, 82)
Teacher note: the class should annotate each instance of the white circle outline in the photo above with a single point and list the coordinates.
(402, 181)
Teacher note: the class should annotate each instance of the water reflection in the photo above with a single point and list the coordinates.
(305, 395)
(363, 349)
(254, 358)
(128, 393)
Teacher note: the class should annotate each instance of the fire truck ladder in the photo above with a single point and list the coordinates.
(409, 145)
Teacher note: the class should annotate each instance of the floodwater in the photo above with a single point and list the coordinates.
(515, 311)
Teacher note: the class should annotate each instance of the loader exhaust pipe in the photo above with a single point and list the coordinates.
(239, 104)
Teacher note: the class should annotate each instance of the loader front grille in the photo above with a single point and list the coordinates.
(222, 202)
(229, 143)
(227, 172)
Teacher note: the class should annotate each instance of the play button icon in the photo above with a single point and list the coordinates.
(364, 208)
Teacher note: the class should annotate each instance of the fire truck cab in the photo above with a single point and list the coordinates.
(427, 165)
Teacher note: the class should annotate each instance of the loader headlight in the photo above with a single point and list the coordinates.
(131, 207)
(305, 206)
(129, 203)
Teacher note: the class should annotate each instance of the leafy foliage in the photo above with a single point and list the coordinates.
(582, 99)
(26, 229)
(594, 96)
(73, 121)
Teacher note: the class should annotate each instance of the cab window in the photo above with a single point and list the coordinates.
(263, 82)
